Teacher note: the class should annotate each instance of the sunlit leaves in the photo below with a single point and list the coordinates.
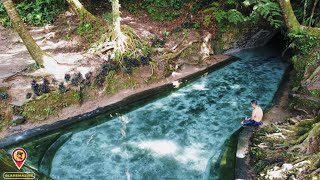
(268, 10)
(302, 41)
(38, 12)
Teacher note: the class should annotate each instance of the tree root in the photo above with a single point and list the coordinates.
(299, 147)
(300, 160)
(149, 76)
(276, 135)
(312, 77)
(126, 42)
(317, 171)
(170, 50)
(174, 55)
(307, 98)
(177, 45)
(310, 141)
(162, 50)
(301, 110)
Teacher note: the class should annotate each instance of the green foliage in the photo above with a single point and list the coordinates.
(207, 20)
(232, 16)
(84, 27)
(133, 8)
(39, 12)
(49, 104)
(315, 92)
(268, 10)
(303, 42)
(157, 42)
(146, 49)
(197, 25)
(298, 8)
(108, 17)
(4, 19)
(162, 10)
(229, 12)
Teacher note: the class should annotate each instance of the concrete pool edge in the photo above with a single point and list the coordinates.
(126, 100)
(227, 160)
(243, 169)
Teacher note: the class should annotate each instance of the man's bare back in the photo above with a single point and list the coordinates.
(257, 114)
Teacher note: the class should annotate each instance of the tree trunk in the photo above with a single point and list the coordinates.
(291, 21)
(289, 18)
(116, 15)
(312, 12)
(80, 10)
(304, 11)
(120, 37)
(314, 75)
(35, 51)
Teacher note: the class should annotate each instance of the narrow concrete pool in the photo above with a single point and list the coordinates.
(178, 136)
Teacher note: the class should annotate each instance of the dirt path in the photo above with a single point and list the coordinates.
(14, 56)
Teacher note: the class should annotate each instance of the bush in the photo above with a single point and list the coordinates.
(84, 27)
(38, 12)
(162, 10)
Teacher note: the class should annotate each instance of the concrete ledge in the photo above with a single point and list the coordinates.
(242, 168)
(129, 100)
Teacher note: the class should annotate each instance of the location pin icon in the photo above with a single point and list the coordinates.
(19, 156)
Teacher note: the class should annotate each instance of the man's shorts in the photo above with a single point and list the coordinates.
(251, 122)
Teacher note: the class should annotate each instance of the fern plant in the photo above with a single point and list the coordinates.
(303, 42)
(268, 10)
(38, 12)
(232, 15)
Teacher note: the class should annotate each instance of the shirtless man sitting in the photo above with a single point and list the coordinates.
(256, 117)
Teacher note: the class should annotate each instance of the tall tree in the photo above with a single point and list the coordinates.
(312, 11)
(293, 25)
(291, 20)
(120, 37)
(35, 51)
(304, 11)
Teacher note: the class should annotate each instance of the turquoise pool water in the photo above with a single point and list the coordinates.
(178, 136)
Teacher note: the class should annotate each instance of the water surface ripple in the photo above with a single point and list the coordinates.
(177, 136)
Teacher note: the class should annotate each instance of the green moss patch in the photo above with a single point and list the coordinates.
(49, 104)
(119, 81)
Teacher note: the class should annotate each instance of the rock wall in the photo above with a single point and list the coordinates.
(242, 36)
